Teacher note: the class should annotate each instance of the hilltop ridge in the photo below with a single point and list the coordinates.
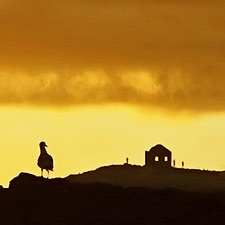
(140, 176)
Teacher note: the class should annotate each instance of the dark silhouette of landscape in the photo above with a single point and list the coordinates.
(35, 200)
(157, 173)
(155, 194)
(140, 176)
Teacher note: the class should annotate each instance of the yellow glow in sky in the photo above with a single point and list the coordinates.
(101, 81)
(86, 137)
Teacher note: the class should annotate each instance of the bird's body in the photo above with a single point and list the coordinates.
(45, 161)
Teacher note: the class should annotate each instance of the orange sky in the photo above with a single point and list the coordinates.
(151, 65)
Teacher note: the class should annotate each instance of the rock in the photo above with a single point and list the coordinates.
(29, 183)
(24, 180)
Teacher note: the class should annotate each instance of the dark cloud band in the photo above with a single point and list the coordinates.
(160, 53)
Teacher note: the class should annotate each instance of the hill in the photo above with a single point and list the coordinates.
(137, 176)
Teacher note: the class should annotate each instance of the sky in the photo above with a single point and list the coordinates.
(100, 81)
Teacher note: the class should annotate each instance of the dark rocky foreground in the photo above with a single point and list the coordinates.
(39, 201)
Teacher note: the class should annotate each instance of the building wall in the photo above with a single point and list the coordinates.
(158, 158)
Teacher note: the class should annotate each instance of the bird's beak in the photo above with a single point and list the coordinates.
(46, 145)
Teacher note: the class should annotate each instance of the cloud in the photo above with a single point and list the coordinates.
(159, 53)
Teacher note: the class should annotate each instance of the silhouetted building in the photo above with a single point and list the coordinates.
(158, 156)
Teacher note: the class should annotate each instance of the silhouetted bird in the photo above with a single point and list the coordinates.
(45, 161)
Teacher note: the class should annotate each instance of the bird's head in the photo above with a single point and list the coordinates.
(43, 144)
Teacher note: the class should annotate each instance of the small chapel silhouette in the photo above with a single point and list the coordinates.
(158, 157)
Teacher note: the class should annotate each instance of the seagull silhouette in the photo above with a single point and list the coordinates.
(45, 161)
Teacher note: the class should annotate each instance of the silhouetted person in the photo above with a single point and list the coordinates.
(174, 163)
(182, 164)
(127, 160)
(45, 161)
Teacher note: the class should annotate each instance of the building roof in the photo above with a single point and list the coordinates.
(159, 148)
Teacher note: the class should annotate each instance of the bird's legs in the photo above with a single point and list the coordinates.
(41, 172)
(48, 173)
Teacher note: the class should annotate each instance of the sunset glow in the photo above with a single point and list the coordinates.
(87, 137)
(101, 81)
